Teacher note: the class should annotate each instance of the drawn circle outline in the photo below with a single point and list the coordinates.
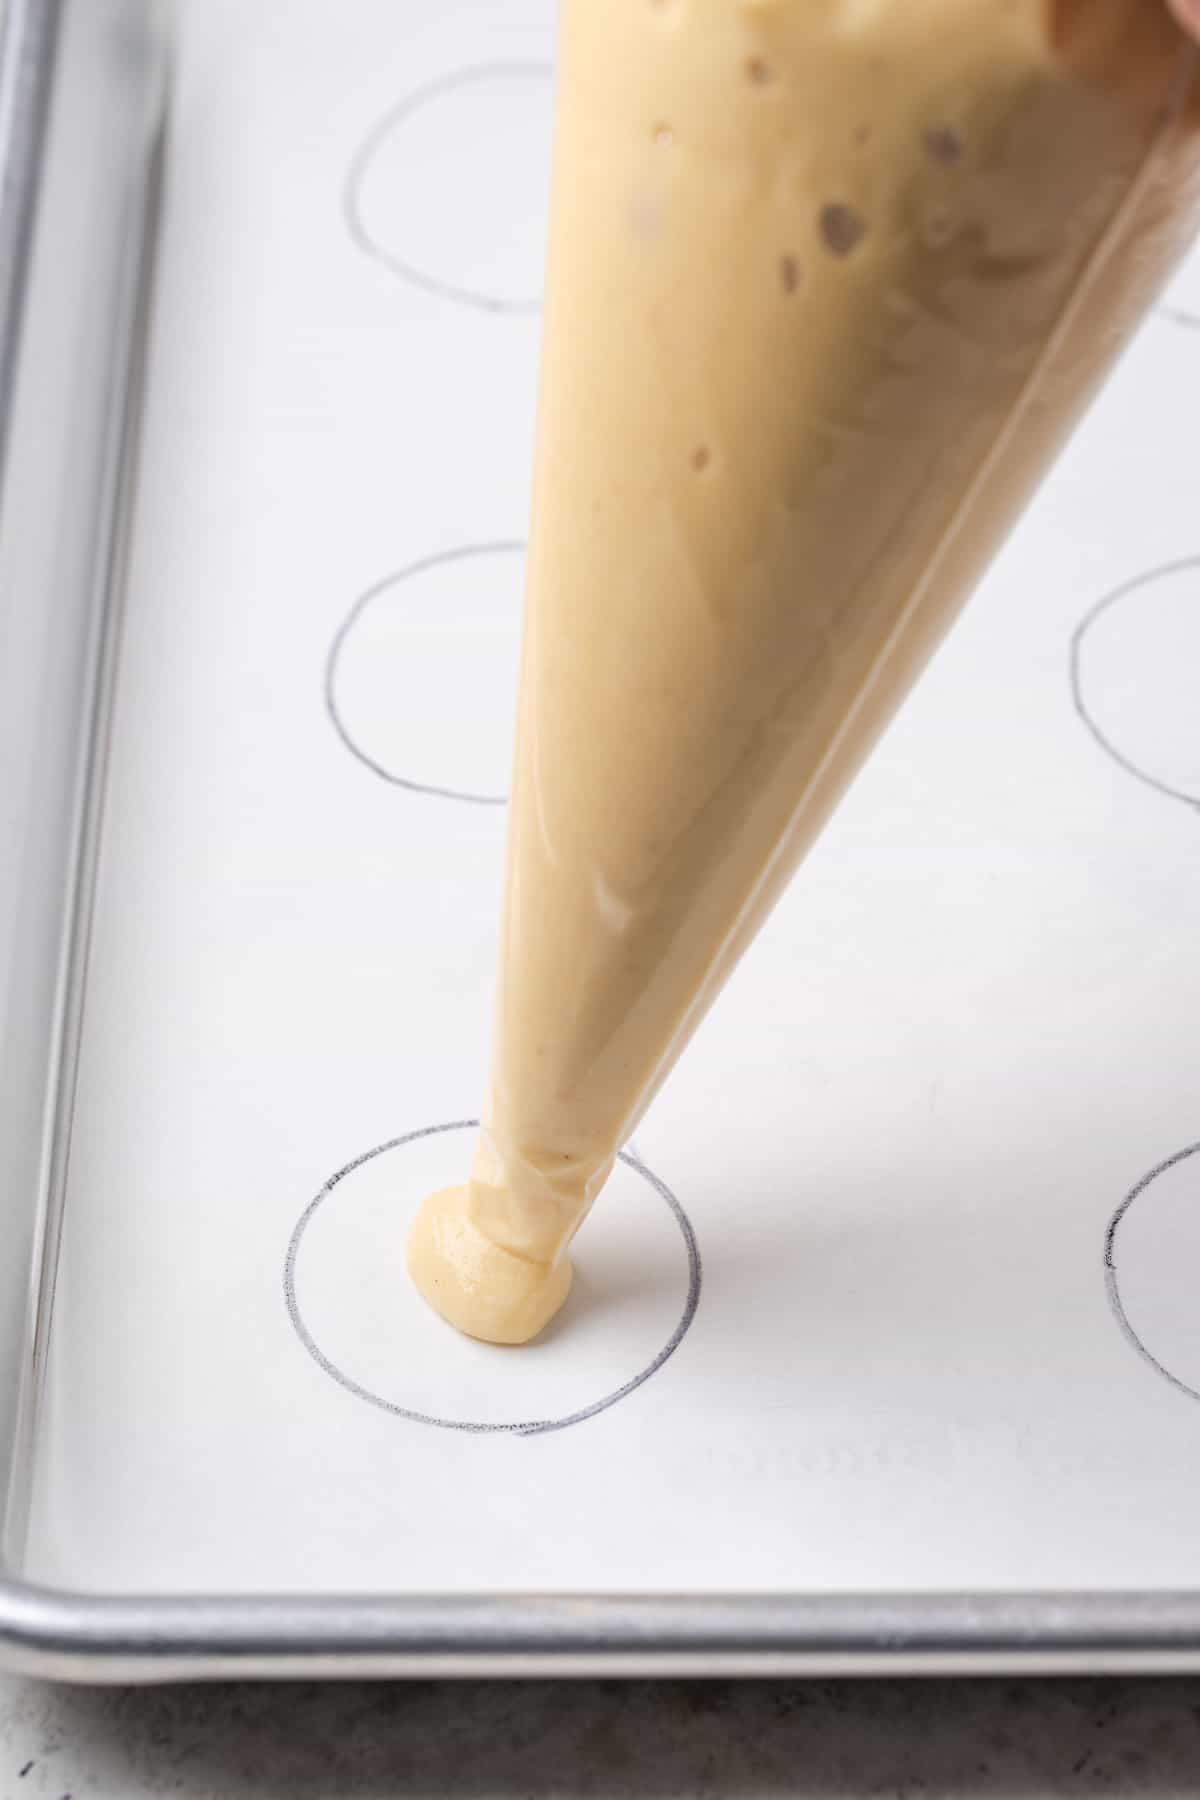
(1151, 576)
(486, 1428)
(1111, 1278)
(396, 115)
(440, 559)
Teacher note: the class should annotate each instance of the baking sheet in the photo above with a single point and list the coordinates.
(932, 1148)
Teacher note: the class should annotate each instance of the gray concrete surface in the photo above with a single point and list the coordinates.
(943, 1740)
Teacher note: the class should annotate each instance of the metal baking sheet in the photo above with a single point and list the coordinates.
(884, 1352)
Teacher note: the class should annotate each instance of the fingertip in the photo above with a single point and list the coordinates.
(1188, 14)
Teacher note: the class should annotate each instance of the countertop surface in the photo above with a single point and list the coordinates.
(950, 1740)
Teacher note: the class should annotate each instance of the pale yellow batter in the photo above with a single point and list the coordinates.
(829, 282)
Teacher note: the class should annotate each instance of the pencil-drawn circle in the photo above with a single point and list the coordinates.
(632, 1303)
(1135, 678)
(1152, 1268)
(1181, 302)
(450, 188)
(421, 677)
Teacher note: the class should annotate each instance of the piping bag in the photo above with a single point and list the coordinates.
(830, 281)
